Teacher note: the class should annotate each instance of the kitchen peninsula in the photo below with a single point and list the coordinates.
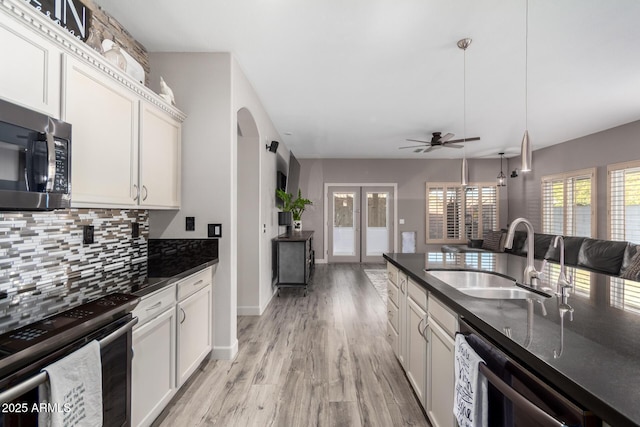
(598, 368)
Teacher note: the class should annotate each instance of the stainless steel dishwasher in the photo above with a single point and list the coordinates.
(517, 397)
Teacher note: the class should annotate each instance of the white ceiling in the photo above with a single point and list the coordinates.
(355, 78)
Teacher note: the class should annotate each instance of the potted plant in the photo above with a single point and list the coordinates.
(296, 207)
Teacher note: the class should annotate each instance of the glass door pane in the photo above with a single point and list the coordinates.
(377, 222)
(344, 223)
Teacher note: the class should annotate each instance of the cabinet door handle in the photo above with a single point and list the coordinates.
(184, 314)
(154, 306)
(198, 282)
(146, 192)
(420, 323)
(137, 196)
(424, 331)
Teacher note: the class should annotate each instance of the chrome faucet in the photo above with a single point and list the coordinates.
(530, 271)
(564, 283)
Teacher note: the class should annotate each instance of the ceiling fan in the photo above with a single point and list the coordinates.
(439, 141)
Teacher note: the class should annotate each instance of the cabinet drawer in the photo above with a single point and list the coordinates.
(418, 294)
(194, 283)
(443, 316)
(392, 273)
(392, 291)
(392, 314)
(155, 304)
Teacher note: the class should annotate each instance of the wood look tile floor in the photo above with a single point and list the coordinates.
(319, 360)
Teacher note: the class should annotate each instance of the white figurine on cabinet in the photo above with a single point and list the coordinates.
(166, 93)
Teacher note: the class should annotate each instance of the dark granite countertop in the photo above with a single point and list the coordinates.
(599, 367)
(154, 284)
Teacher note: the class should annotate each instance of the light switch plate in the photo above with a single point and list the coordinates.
(401, 221)
(214, 230)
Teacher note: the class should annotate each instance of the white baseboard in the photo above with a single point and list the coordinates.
(266, 304)
(251, 310)
(321, 261)
(225, 353)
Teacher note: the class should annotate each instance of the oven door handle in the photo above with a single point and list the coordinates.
(118, 332)
(40, 378)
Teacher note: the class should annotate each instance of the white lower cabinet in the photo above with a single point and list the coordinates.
(416, 366)
(440, 376)
(194, 327)
(424, 344)
(443, 324)
(403, 284)
(153, 382)
(172, 337)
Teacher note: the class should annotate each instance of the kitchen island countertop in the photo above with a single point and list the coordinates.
(599, 367)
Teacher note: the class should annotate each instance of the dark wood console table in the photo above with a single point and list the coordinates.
(294, 259)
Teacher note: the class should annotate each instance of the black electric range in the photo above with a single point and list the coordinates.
(21, 346)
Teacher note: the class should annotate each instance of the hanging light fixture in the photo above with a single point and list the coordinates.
(525, 149)
(502, 179)
(464, 173)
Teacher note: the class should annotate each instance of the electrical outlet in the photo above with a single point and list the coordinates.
(87, 234)
(135, 230)
(190, 223)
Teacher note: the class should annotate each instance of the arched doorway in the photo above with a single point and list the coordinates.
(248, 214)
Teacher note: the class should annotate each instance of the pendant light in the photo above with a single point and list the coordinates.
(464, 172)
(525, 149)
(502, 179)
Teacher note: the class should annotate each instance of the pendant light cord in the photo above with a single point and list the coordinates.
(526, 67)
(464, 97)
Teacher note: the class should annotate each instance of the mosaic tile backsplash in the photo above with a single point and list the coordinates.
(45, 267)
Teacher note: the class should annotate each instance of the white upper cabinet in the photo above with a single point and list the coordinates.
(30, 73)
(104, 119)
(125, 140)
(159, 158)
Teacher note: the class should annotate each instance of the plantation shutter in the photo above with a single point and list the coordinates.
(624, 224)
(568, 204)
(456, 214)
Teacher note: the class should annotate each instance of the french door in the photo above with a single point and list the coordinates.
(360, 223)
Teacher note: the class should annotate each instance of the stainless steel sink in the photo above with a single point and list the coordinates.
(472, 279)
(482, 284)
(498, 293)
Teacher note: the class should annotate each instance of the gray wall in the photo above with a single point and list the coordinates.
(411, 177)
(619, 144)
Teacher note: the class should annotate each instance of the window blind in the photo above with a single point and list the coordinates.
(624, 224)
(455, 214)
(568, 202)
(567, 209)
(624, 202)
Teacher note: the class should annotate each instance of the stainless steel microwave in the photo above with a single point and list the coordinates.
(35, 160)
